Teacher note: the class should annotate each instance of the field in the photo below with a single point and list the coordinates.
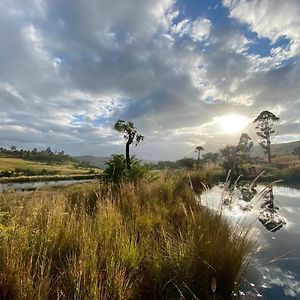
(134, 241)
(11, 164)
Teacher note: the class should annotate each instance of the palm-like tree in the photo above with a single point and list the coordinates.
(130, 134)
(198, 149)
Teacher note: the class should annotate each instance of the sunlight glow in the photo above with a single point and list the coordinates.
(233, 123)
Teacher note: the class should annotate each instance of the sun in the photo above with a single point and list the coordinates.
(233, 123)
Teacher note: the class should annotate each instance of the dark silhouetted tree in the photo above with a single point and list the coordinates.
(245, 146)
(264, 124)
(130, 134)
(198, 149)
(296, 151)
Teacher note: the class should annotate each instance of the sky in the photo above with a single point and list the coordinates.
(186, 72)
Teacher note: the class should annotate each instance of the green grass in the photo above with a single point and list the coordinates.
(143, 241)
(10, 164)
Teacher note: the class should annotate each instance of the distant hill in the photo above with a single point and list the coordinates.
(93, 160)
(99, 162)
(277, 149)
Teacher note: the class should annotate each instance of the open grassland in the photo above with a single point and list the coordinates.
(143, 241)
(283, 167)
(11, 164)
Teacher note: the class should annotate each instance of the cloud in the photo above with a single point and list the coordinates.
(270, 18)
(70, 69)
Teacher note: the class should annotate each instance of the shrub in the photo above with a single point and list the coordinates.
(117, 171)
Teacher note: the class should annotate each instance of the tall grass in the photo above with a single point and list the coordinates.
(143, 241)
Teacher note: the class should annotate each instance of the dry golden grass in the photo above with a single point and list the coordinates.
(144, 241)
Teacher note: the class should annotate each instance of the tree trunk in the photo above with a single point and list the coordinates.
(269, 150)
(128, 156)
(198, 159)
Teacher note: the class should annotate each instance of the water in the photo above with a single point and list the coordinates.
(274, 273)
(19, 187)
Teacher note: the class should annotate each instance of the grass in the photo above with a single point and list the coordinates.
(10, 164)
(143, 241)
(283, 167)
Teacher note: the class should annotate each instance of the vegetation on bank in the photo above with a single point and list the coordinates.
(46, 155)
(137, 241)
(17, 167)
(23, 179)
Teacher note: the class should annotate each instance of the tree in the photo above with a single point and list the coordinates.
(296, 151)
(130, 134)
(13, 148)
(231, 160)
(186, 162)
(49, 151)
(245, 146)
(198, 149)
(210, 158)
(264, 125)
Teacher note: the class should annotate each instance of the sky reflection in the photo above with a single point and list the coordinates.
(275, 271)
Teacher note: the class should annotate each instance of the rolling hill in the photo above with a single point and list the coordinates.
(277, 149)
(99, 161)
(93, 160)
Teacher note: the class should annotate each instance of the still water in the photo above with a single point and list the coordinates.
(274, 273)
(24, 186)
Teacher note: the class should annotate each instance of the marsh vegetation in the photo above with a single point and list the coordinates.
(139, 241)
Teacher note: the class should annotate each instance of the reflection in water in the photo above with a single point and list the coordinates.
(28, 186)
(276, 277)
(275, 271)
(269, 216)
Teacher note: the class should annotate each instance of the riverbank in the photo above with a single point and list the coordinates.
(23, 179)
(289, 176)
(143, 241)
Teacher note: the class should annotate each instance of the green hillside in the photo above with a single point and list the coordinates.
(25, 167)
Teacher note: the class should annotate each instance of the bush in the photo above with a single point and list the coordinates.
(6, 174)
(117, 171)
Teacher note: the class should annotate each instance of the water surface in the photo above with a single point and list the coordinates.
(24, 186)
(274, 273)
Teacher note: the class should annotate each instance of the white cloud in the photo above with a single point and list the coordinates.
(70, 69)
(270, 18)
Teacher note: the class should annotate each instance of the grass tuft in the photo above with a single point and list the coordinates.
(145, 241)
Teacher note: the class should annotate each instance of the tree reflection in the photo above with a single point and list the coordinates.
(269, 216)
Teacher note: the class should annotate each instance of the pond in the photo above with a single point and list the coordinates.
(25, 186)
(274, 273)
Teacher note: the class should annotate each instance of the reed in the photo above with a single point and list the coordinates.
(142, 241)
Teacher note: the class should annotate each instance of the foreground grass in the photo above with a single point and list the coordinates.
(149, 241)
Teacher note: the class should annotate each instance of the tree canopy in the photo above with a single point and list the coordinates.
(130, 134)
(264, 125)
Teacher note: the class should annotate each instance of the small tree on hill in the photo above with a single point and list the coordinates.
(198, 149)
(130, 134)
(264, 124)
(296, 151)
